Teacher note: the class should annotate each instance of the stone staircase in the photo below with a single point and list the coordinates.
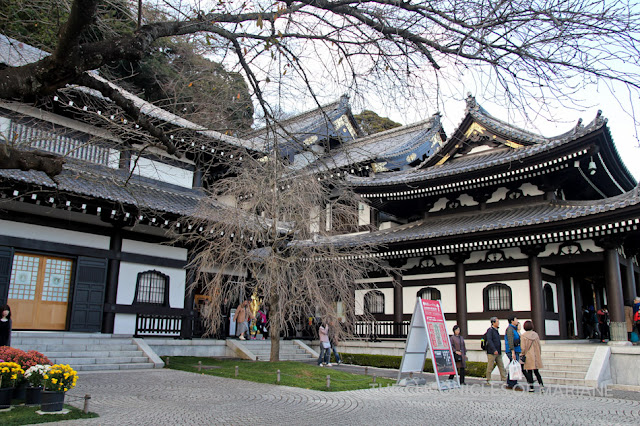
(289, 350)
(566, 364)
(84, 351)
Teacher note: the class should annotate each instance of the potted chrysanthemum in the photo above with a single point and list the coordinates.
(58, 380)
(35, 378)
(10, 373)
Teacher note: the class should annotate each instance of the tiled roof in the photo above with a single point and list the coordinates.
(15, 53)
(471, 162)
(292, 132)
(499, 218)
(391, 146)
(108, 184)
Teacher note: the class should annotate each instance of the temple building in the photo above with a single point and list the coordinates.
(491, 220)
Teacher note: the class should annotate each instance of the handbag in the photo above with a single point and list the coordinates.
(515, 370)
(326, 345)
(457, 357)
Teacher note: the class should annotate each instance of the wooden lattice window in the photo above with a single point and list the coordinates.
(152, 288)
(374, 302)
(497, 297)
(429, 293)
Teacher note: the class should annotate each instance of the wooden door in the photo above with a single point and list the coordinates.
(39, 291)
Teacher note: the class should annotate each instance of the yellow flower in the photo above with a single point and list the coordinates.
(45, 376)
(65, 389)
(15, 376)
(54, 381)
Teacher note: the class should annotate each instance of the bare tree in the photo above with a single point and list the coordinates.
(266, 223)
(527, 49)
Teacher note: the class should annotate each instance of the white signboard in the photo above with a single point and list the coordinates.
(428, 331)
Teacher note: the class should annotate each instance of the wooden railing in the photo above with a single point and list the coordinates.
(374, 330)
(158, 325)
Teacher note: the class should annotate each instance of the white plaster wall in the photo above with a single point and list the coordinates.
(388, 300)
(479, 327)
(497, 271)
(129, 274)
(54, 235)
(441, 204)
(447, 293)
(467, 200)
(521, 300)
(150, 249)
(124, 324)
(410, 278)
(162, 172)
(530, 190)
(499, 195)
(364, 214)
(552, 327)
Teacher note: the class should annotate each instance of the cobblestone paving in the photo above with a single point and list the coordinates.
(179, 398)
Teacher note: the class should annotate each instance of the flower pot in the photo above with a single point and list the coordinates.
(33, 395)
(5, 397)
(19, 391)
(51, 401)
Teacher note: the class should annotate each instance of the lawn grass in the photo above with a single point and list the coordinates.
(23, 415)
(292, 373)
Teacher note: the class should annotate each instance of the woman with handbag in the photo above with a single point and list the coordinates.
(531, 355)
(459, 353)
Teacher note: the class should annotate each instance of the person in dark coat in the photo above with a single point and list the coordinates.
(459, 353)
(494, 352)
(5, 326)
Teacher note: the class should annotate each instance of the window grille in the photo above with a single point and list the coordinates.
(497, 297)
(429, 293)
(152, 288)
(374, 302)
(75, 146)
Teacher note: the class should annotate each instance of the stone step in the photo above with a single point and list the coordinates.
(76, 348)
(70, 341)
(566, 361)
(565, 374)
(101, 367)
(97, 354)
(66, 334)
(108, 360)
(568, 355)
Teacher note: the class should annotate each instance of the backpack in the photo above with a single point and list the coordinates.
(636, 317)
(483, 341)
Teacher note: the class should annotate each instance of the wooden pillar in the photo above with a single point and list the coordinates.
(535, 288)
(186, 329)
(461, 292)
(397, 303)
(562, 308)
(629, 281)
(613, 282)
(113, 275)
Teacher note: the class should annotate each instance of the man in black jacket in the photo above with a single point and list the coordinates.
(494, 352)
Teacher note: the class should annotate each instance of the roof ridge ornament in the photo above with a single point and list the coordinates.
(579, 126)
(471, 102)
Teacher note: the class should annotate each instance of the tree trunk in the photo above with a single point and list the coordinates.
(274, 328)
(274, 334)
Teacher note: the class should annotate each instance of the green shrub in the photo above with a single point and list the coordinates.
(474, 368)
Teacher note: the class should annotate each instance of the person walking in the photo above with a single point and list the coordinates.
(325, 346)
(603, 323)
(242, 318)
(512, 348)
(333, 340)
(628, 317)
(5, 326)
(531, 355)
(459, 353)
(494, 352)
